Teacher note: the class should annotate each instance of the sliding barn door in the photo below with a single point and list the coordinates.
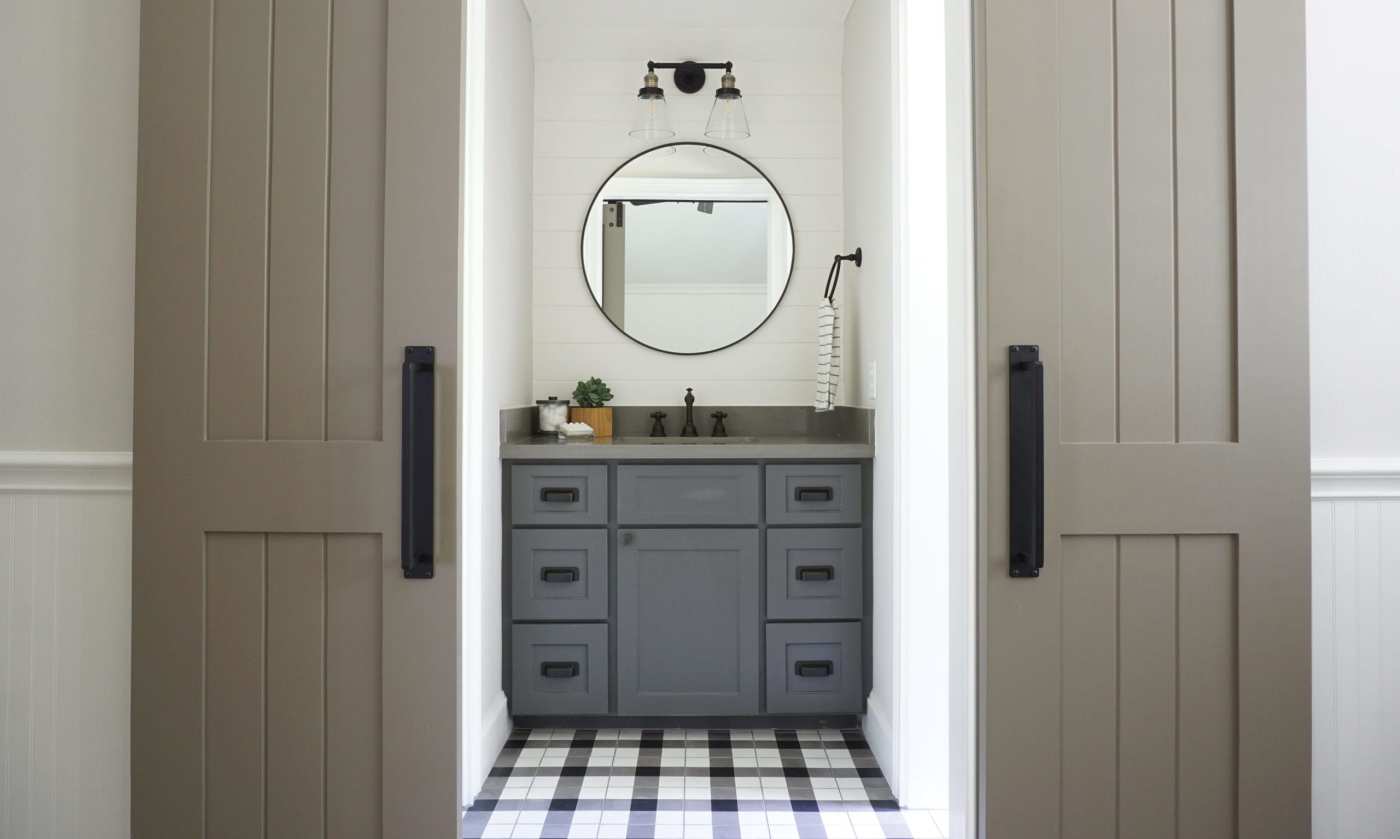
(298, 227)
(1142, 241)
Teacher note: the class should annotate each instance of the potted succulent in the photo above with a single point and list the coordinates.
(591, 397)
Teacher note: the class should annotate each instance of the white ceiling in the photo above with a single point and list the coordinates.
(725, 13)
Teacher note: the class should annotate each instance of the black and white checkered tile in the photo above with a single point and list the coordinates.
(690, 784)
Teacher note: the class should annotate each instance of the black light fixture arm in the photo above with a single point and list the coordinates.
(726, 66)
(690, 75)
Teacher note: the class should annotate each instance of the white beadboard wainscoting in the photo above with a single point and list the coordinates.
(1356, 649)
(65, 644)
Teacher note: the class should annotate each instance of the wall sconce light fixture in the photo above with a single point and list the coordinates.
(727, 118)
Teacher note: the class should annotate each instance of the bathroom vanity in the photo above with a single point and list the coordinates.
(652, 577)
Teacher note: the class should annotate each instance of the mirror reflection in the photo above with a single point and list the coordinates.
(687, 248)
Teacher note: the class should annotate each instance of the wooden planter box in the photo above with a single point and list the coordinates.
(600, 418)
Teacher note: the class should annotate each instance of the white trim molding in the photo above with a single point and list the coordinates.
(1356, 477)
(46, 472)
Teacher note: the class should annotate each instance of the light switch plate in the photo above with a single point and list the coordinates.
(869, 379)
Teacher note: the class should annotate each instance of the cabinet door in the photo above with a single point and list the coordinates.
(689, 622)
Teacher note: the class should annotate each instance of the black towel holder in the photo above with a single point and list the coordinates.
(834, 275)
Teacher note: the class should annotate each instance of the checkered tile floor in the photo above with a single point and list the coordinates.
(689, 783)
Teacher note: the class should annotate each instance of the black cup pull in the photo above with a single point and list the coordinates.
(1026, 513)
(559, 575)
(559, 669)
(814, 669)
(810, 494)
(816, 573)
(416, 478)
(559, 495)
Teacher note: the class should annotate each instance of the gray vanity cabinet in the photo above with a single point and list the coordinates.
(689, 622)
(649, 589)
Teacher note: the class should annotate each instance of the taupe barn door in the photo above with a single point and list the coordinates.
(297, 228)
(1142, 194)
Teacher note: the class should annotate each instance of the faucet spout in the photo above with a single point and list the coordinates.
(689, 430)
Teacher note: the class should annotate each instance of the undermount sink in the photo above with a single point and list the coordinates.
(682, 441)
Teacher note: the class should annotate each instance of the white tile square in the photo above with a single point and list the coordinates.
(583, 831)
(612, 831)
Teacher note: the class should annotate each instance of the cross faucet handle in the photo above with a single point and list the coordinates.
(719, 430)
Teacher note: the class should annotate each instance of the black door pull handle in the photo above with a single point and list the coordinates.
(559, 495)
(559, 669)
(416, 487)
(816, 573)
(813, 669)
(1027, 459)
(810, 494)
(559, 575)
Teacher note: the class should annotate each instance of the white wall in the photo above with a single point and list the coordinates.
(588, 67)
(1354, 226)
(1354, 267)
(68, 82)
(868, 140)
(498, 246)
(67, 222)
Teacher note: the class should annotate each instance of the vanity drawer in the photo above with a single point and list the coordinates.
(814, 668)
(559, 669)
(559, 575)
(814, 493)
(815, 574)
(672, 494)
(559, 494)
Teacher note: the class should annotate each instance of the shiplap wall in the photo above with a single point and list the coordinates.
(65, 648)
(1356, 657)
(586, 77)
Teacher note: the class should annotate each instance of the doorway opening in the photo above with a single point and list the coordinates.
(889, 123)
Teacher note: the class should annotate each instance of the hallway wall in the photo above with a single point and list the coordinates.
(1354, 267)
(68, 86)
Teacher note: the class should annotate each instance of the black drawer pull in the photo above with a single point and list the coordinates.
(810, 494)
(559, 575)
(816, 573)
(559, 669)
(559, 495)
(814, 669)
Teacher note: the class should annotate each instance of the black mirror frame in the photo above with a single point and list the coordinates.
(792, 239)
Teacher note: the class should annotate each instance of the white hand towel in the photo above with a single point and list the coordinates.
(828, 356)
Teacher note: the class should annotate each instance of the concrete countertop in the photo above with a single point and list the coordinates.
(677, 448)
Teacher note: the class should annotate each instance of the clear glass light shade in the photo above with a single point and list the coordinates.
(727, 118)
(651, 122)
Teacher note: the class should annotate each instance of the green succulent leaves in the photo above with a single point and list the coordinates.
(593, 393)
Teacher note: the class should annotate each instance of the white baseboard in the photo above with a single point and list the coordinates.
(1356, 477)
(47, 472)
(878, 725)
(495, 729)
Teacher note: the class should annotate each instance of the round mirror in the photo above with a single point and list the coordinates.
(687, 248)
